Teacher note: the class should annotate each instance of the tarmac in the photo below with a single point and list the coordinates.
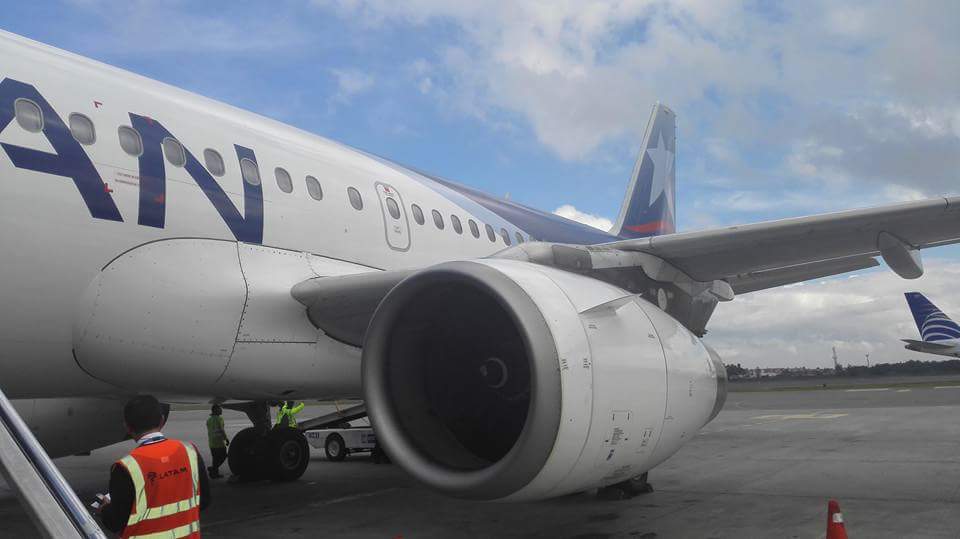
(765, 467)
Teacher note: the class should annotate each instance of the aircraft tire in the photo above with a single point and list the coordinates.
(288, 454)
(638, 485)
(245, 455)
(335, 448)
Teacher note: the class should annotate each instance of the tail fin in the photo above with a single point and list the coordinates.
(650, 206)
(933, 324)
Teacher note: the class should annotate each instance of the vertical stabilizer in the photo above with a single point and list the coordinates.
(649, 208)
(933, 324)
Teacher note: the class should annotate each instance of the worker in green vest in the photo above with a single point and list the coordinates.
(285, 417)
(217, 437)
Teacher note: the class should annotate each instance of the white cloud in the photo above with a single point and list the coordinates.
(581, 75)
(798, 325)
(350, 83)
(570, 212)
(761, 201)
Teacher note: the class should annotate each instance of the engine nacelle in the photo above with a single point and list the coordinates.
(504, 380)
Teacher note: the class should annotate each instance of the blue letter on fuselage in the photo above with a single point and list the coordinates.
(247, 227)
(69, 160)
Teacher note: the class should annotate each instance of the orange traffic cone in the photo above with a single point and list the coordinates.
(835, 528)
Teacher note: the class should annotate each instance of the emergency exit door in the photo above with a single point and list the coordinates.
(395, 222)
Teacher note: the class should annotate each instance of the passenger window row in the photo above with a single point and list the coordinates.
(457, 225)
(29, 116)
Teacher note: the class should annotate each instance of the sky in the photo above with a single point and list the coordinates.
(784, 109)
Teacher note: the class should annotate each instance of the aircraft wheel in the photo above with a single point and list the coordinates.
(335, 448)
(245, 454)
(638, 484)
(378, 456)
(288, 454)
(626, 489)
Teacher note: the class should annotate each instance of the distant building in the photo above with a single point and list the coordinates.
(788, 372)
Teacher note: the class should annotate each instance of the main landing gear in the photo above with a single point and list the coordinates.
(260, 452)
(626, 489)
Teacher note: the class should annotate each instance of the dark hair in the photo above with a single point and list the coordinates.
(216, 409)
(143, 413)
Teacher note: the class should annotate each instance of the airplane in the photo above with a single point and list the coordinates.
(938, 333)
(158, 241)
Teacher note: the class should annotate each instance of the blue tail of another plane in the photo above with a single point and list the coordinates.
(933, 324)
(650, 206)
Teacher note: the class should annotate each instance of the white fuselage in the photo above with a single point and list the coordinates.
(53, 246)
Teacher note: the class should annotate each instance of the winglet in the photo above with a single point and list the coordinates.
(649, 208)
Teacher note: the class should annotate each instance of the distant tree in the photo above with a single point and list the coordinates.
(736, 371)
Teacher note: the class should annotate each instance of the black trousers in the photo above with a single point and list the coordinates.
(219, 455)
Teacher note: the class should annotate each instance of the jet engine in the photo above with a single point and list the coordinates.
(505, 380)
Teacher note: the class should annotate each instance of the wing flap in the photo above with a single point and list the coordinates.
(761, 280)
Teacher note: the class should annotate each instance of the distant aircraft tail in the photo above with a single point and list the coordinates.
(934, 326)
(650, 206)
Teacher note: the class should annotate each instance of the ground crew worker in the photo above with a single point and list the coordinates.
(157, 488)
(217, 437)
(285, 417)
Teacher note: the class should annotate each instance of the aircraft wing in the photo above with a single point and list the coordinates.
(818, 245)
(748, 258)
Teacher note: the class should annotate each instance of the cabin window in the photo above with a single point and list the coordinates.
(249, 171)
(82, 129)
(393, 208)
(417, 214)
(490, 233)
(283, 180)
(474, 229)
(28, 114)
(130, 141)
(313, 187)
(214, 162)
(519, 238)
(438, 219)
(355, 199)
(505, 235)
(173, 150)
(457, 225)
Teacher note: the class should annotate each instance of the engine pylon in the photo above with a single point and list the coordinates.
(835, 527)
